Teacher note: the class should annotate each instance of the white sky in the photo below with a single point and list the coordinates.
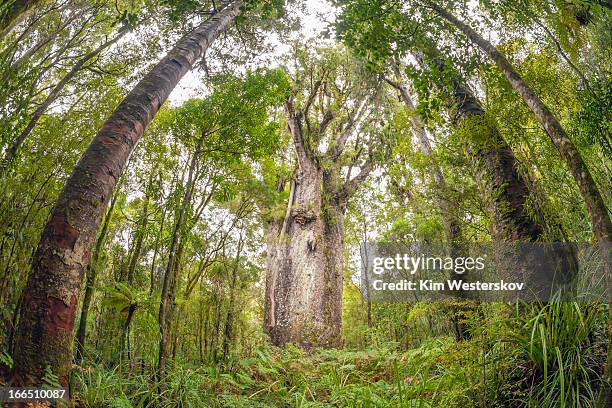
(314, 18)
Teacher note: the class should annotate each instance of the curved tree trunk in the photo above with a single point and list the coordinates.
(600, 218)
(45, 331)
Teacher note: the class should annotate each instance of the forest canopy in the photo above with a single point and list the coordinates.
(192, 191)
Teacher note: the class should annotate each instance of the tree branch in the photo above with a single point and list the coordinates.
(352, 185)
(294, 126)
(354, 119)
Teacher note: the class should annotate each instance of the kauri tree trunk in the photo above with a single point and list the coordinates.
(306, 248)
(44, 335)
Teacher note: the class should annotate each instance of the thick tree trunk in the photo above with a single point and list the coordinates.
(305, 256)
(600, 218)
(306, 249)
(45, 331)
(304, 292)
(90, 284)
(13, 9)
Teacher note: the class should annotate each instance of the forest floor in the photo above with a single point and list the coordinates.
(441, 372)
(537, 358)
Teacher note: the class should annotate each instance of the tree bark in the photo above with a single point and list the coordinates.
(92, 272)
(503, 186)
(51, 293)
(306, 249)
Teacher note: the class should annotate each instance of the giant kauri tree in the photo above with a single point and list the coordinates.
(305, 245)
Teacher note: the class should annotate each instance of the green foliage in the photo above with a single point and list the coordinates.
(558, 355)
(6, 360)
(402, 356)
(593, 122)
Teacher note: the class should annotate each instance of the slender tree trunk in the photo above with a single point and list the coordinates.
(229, 321)
(140, 235)
(92, 271)
(13, 9)
(170, 278)
(156, 251)
(125, 333)
(51, 293)
(139, 238)
(600, 218)
(368, 294)
(52, 97)
(217, 326)
(201, 327)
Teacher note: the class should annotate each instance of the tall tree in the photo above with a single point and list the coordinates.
(45, 332)
(305, 247)
(600, 217)
(166, 305)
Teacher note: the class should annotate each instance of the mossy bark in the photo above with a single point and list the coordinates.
(305, 261)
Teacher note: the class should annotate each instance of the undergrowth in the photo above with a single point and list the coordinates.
(537, 356)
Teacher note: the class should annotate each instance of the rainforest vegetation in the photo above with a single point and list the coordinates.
(186, 186)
